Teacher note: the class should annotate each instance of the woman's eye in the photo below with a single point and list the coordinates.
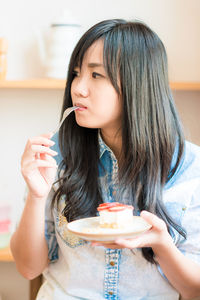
(75, 73)
(96, 75)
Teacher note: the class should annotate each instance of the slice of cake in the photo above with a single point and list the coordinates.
(115, 215)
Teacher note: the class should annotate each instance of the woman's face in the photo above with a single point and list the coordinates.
(92, 90)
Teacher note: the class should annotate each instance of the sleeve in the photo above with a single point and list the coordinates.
(50, 234)
(190, 246)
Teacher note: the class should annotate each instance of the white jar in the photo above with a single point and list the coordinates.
(62, 40)
(64, 33)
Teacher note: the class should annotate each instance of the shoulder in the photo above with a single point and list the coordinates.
(56, 148)
(192, 156)
(182, 188)
(189, 168)
(181, 193)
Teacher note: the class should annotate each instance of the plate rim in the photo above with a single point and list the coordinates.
(106, 235)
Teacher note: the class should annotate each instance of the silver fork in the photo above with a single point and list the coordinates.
(65, 115)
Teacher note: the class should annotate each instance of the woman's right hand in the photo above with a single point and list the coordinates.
(38, 166)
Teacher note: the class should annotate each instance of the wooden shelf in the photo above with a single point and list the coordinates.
(5, 255)
(43, 83)
(47, 83)
(185, 86)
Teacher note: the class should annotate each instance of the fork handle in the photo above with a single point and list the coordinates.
(65, 115)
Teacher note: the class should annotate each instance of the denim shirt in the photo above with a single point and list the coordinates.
(79, 271)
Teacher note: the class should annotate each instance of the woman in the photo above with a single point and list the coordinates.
(125, 144)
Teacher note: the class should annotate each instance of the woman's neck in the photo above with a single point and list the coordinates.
(113, 141)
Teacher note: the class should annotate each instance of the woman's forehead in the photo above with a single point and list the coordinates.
(94, 54)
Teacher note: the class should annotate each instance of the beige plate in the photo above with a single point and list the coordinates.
(88, 229)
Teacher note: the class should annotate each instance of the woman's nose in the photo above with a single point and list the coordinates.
(80, 87)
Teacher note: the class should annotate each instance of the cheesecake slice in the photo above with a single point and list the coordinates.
(115, 215)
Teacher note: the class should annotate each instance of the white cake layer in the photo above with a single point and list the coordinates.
(117, 219)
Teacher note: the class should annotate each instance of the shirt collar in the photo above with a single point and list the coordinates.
(102, 146)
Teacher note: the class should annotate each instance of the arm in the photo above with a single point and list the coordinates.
(28, 244)
(182, 273)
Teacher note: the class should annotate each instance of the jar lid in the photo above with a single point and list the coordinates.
(3, 45)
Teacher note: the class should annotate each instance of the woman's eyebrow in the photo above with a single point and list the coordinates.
(93, 65)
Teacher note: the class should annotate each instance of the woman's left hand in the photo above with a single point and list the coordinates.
(157, 235)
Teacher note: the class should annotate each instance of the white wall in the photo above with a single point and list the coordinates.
(25, 113)
(176, 21)
(188, 104)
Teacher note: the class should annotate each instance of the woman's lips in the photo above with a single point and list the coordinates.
(81, 107)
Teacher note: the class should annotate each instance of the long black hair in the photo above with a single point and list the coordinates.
(151, 132)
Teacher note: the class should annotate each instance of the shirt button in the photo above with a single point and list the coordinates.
(112, 263)
(110, 293)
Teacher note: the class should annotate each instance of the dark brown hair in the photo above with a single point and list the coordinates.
(151, 130)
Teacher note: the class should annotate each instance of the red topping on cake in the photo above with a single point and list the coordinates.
(116, 208)
(109, 204)
(113, 206)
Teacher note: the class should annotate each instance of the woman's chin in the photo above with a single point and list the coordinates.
(83, 122)
(86, 124)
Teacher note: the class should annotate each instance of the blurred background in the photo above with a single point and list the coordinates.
(30, 104)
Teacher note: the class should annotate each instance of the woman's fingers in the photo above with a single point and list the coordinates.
(36, 147)
(154, 235)
(40, 163)
(37, 154)
(153, 220)
(137, 242)
(37, 163)
(42, 149)
(41, 140)
(44, 156)
(106, 245)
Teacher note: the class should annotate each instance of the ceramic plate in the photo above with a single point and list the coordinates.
(88, 229)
